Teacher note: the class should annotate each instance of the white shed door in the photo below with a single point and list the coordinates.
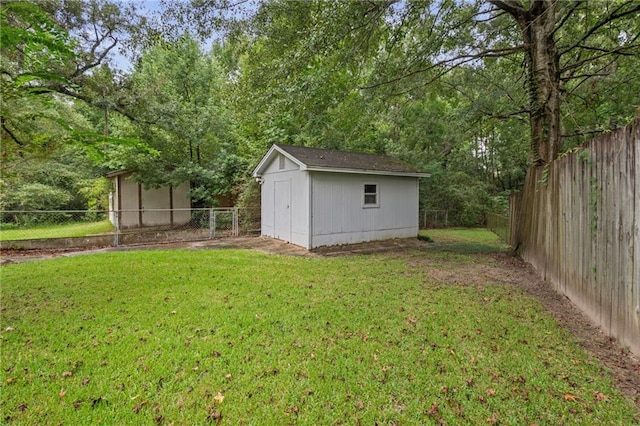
(282, 213)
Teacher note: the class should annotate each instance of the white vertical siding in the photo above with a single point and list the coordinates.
(277, 213)
(129, 201)
(160, 199)
(181, 200)
(150, 199)
(339, 217)
(155, 198)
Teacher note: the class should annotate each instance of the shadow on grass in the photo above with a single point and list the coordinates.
(463, 241)
(466, 248)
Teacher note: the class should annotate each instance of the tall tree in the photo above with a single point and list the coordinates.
(562, 45)
(557, 52)
(181, 114)
(51, 56)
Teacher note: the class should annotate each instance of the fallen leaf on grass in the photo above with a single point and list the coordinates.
(23, 407)
(433, 410)
(491, 391)
(215, 415)
(85, 381)
(62, 393)
(11, 380)
(67, 374)
(601, 397)
(570, 397)
(218, 398)
(139, 406)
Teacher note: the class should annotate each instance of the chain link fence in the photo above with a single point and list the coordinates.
(82, 228)
(433, 219)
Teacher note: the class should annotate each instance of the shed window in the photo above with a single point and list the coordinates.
(281, 162)
(370, 195)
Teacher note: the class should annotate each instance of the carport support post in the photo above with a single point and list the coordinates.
(116, 227)
(212, 225)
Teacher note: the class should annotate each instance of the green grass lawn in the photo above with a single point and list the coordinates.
(464, 240)
(77, 229)
(238, 337)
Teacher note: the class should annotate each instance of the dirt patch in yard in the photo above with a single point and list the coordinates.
(624, 367)
(490, 268)
(504, 268)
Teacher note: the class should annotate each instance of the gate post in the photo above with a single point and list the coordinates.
(212, 224)
(235, 222)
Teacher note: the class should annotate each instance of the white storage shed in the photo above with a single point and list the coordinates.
(316, 197)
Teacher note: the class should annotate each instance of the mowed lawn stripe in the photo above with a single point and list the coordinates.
(238, 337)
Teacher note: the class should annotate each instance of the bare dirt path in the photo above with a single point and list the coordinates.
(502, 268)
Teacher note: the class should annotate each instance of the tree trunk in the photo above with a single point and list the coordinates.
(537, 25)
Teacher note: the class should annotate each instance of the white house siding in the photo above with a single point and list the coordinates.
(338, 215)
(285, 206)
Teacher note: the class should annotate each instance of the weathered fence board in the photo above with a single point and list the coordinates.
(577, 222)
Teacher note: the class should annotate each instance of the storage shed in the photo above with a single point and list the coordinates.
(138, 207)
(316, 197)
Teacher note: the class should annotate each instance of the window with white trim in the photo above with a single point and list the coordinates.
(370, 195)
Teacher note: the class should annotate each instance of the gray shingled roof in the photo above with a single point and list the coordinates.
(334, 159)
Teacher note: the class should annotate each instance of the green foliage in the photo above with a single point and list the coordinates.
(440, 84)
(465, 198)
(67, 181)
(184, 120)
(37, 196)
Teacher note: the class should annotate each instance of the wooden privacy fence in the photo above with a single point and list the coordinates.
(576, 221)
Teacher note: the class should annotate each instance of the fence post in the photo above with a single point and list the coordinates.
(446, 218)
(235, 222)
(116, 227)
(212, 224)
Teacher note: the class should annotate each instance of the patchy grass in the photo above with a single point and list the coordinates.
(78, 229)
(237, 337)
(464, 240)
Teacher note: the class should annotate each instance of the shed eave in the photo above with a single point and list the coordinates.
(118, 173)
(365, 172)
